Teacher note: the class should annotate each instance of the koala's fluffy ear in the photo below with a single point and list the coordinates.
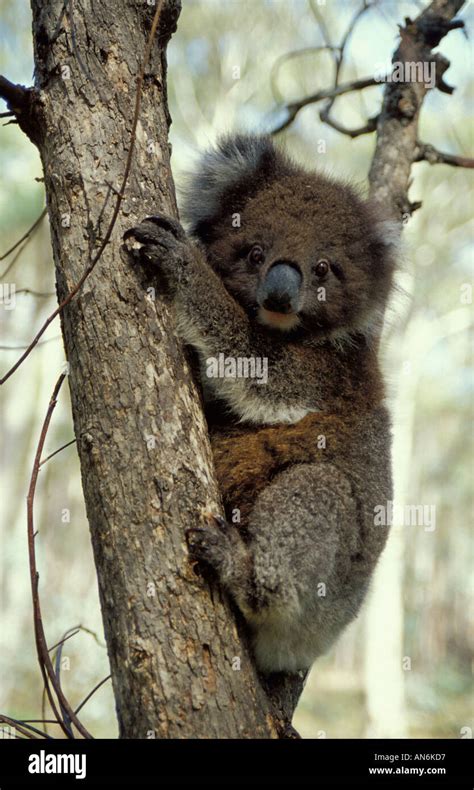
(228, 174)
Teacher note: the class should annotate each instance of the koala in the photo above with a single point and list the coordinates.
(293, 269)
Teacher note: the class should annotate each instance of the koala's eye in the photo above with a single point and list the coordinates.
(321, 268)
(256, 254)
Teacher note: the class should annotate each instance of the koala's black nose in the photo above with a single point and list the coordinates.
(280, 289)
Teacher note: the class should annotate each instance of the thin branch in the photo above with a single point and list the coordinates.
(75, 630)
(86, 699)
(69, 635)
(366, 6)
(293, 108)
(46, 666)
(118, 203)
(39, 721)
(277, 95)
(57, 670)
(42, 294)
(63, 447)
(25, 235)
(367, 128)
(43, 706)
(14, 259)
(425, 152)
(43, 343)
(321, 23)
(325, 115)
(23, 726)
(93, 634)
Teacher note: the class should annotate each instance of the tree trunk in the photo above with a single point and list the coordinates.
(397, 128)
(179, 667)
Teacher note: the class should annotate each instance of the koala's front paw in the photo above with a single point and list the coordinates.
(160, 241)
(210, 543)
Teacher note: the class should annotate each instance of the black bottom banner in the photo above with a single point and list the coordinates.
(217, 763)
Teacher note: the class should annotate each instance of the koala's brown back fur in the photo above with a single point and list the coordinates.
(247, 458)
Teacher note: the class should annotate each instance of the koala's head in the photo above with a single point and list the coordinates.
(297, 249)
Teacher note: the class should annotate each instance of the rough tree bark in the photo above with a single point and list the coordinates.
(397, 145)
(179, 667)
(174, 643)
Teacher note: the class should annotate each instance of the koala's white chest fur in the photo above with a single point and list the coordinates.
(248, 404)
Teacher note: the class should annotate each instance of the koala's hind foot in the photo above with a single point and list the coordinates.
(220, 545)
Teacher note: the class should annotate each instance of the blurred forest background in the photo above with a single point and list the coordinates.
(404, 667)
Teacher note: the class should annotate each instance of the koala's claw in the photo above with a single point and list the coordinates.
(207, 543)
(153, 230)
(215, 520)
(200, 541)
(194, 535)
(168, 223)
(162, 242)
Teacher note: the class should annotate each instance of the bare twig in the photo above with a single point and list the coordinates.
(75, 630)
(14, 259)
(365, 6)
(425, 152)
(23, 726)
(89, 269)
(43, 708)
(41, 294)
(57, 670)
(69, 634)
(39, 721)
(321, 23)
(367, 128)
(63, 447)
(93, 634)
(293, 108)
(25, 235)
(86, 699)
(277, 95)
(18, 348)
(339, 53)
(26, 240)
(46, 666)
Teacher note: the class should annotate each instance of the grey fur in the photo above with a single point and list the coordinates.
(234, 158)
(313, 522)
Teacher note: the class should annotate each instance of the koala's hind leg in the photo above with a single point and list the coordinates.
(302, 533)
(295, 529)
